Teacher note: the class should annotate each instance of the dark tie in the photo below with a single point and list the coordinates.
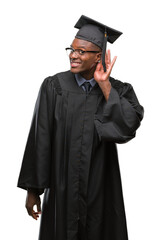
(87, 86)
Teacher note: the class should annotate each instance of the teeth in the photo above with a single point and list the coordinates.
(73, 61)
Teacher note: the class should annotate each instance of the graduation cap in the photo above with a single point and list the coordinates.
(97, 33)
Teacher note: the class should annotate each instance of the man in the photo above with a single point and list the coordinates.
(71, 152)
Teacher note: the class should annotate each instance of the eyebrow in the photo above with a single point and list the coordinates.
(78, 47)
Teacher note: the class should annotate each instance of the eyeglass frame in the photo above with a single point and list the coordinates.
(83, 51)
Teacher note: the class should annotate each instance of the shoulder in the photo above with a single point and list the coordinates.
(55, 81)
(64, 75)
(52, 80)
(120, 87)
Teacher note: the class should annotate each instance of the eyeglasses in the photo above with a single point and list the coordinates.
(79, 52)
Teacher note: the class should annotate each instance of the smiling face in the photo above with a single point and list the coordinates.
(84, 64)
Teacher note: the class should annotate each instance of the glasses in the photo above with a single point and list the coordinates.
(78, 52)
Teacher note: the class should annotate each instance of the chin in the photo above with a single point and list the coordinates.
(75, 70)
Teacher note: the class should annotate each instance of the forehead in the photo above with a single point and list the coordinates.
(80, 43)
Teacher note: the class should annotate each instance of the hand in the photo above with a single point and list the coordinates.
(99, 75)
(102, 78)
(31, 200)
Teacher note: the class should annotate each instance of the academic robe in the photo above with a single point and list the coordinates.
(71, 155)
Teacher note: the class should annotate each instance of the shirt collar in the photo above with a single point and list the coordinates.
(80, 80)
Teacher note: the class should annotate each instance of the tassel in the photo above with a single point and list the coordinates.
(104, 51)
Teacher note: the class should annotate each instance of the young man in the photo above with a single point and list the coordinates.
(71, 154)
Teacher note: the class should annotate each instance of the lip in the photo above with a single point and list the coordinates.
(74, 64)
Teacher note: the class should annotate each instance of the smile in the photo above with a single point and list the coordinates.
(74, 63)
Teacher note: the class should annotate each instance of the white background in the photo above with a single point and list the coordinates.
(33, 36)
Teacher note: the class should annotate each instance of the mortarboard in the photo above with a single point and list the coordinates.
(97, 33)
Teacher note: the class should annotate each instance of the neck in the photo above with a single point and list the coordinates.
(85, 76)
(88, 75)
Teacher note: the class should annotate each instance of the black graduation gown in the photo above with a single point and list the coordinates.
(71, 154)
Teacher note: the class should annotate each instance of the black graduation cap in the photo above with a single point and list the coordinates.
(97, 33)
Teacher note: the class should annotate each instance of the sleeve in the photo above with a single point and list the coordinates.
(117, 119)
(35, 169)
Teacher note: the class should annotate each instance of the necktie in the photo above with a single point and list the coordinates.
(87, 86)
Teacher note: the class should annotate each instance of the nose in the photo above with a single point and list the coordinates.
(73, 54)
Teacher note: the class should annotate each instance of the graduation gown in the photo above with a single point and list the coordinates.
(71, 155)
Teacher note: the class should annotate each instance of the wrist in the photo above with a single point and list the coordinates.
(106, 88)
(36, 191)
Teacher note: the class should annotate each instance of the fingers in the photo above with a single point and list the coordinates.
(32, 200)
(39, 207)
(36, 215)
(108, 57)
(113, 61)
(99, 66)
(109, 64)
(32, 213)
(99, 72)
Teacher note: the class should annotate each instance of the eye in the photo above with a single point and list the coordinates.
(81, 52)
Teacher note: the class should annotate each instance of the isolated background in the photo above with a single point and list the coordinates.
(33, 36)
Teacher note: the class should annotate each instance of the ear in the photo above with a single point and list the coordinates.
(98, 57)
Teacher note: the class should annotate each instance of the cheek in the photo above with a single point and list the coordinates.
(88, 62)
